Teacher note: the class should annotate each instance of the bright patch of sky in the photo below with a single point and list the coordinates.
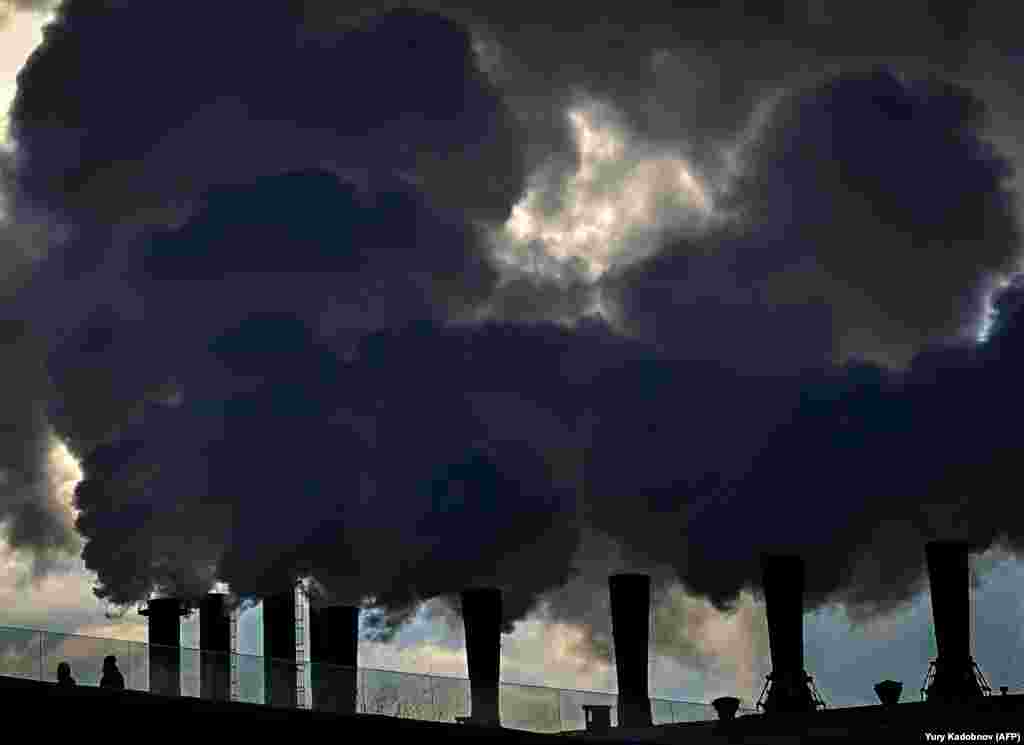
(20, 33)
(623, 198)
(985, 329)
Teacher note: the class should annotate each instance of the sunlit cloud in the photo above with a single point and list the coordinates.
(989, 319)
(64, 472)
(20, 33)
(622, 199)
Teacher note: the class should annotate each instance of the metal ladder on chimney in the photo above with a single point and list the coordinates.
(300, 648)
(236, 683)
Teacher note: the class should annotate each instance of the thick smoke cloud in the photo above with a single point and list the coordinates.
(278, 277)
(872, 216)
(114, 342)
(30, 512)
(102, 138)
(862, 466)
(697, 68)
(267, 347)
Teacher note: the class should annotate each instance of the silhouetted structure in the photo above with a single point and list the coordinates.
(889, 691)
(112, 677)
(726, 707)
(631, 612)
(789, 688)
(279, 666)
(481, 616)
(334, 651)
(215, 648)
(598, 718)
(64, 678)
(164, 616)
(58, 713)
(956, 676)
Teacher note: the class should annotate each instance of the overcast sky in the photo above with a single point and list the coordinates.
(528, 300)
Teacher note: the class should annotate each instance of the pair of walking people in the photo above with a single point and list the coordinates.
(112, 677)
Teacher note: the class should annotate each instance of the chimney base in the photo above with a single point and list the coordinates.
(888, 692)
(789, 693)
(485, 707)
(478, 722)
(955, 682)
(726, 707)
(635, 712)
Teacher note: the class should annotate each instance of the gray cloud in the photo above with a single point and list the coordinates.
(33, 518)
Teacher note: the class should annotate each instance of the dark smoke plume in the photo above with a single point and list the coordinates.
(265, 353)
(32, 518)
(100, 139)
(117, 355)
(872, 217)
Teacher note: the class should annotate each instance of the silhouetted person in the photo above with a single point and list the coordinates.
(112, 677)
(64, 678)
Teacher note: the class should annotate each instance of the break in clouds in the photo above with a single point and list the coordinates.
(411, 302)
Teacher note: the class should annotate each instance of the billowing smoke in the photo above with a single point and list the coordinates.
(31, 511)
(281, 333)
(144, 228)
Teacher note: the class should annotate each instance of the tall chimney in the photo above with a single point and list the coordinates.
(949, 576)
(481, 616)
(279, 659)
(631, 613)
(783, 579)
(334, 651)
(164, 615)
(215, 647)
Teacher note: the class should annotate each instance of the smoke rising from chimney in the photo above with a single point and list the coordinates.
(284, 369)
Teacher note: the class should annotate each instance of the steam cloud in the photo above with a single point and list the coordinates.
(262, 323)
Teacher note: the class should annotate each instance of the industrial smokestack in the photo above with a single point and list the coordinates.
(280, 669)
(631, 614)
(334, 650)
(481, 616)
(949, 576)
(164, 615)
(791, 687)
(215, 648)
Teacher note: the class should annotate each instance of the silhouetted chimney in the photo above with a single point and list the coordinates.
(889, 691)
(726, 707)
(783, 581)
(334, 652)
(280, 668)
(631, 615)
(949, 575)
(481, 616)
(164, 616)
(215, 647)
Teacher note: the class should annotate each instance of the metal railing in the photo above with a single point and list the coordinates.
(34, 654)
